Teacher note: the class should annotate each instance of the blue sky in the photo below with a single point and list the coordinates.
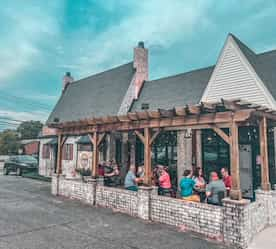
(40, 40)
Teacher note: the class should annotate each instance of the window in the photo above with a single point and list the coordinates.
(145, 106)
(67, 152)
(46, 151)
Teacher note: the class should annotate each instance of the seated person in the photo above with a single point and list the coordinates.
(141, 173)
(164, 181)
(131, 181)
(227, 179)
(200, 183)
(187, 185)
(215, 190)
(112, 178)
(101, 167)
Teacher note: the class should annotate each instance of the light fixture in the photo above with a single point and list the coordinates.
(188, 133)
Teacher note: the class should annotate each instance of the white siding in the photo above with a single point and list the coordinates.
(46, 166)
(69, 166)
(233, 78)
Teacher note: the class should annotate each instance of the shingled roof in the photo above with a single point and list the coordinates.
(174, 91)
(97, 95)
(188, 87)
(103, 93)
(264, 65)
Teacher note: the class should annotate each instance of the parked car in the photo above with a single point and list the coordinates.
(20, 164)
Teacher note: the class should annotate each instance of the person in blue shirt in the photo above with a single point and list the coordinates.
(131, 181)
(187, 185)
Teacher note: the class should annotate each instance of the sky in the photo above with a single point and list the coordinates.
(41, 40)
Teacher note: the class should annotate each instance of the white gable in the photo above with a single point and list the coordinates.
(235, 78)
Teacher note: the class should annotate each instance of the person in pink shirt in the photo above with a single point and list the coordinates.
(164, 181)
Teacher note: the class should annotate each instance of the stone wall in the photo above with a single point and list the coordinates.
(235, 223)
(197, 217)
(120, 199)
(77, 189)
(243, 220)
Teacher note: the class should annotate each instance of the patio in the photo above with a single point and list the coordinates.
(234, 223)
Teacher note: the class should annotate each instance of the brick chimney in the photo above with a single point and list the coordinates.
(67, 79)
(140, 63)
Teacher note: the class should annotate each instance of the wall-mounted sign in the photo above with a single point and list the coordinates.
(84, 159)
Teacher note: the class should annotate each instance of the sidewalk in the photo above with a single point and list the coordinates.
(265, 240)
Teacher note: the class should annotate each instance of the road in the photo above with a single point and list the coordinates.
(30, 218)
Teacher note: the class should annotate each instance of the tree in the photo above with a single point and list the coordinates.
(9, 142)
(29, 129)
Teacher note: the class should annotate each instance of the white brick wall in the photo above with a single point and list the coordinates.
(235, 223)
(197, 217)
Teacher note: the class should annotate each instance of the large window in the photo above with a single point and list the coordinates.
(215, 152)
(164, 151)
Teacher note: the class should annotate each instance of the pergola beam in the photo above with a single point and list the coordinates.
(221, 133)
(162, 122)
(140, 136)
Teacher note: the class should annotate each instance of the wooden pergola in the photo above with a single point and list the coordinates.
(147, 125)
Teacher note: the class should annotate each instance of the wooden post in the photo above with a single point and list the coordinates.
(235, 192)
(147, 139)
(264, 154)
(94, 170)
(59, 155)
(147, 156)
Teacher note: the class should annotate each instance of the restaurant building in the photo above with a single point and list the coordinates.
(219, 116)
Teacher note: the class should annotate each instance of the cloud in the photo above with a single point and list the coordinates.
(26, 29)
(159, 23)
(24, 116)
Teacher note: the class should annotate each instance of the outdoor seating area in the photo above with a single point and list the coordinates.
(146, 190)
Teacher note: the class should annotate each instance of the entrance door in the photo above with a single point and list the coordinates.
(246, 171)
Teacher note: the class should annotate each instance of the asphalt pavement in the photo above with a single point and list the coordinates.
(31, 218)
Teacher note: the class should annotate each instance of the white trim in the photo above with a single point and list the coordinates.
(230, 41)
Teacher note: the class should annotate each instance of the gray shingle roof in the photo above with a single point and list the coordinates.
(174, 91)
(97, 95)
(264, 65)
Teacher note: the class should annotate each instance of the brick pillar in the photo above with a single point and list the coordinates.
(269, 199)
(236, 223)
(184, 154)
(92, 185)
(54, 184)
(144, 206)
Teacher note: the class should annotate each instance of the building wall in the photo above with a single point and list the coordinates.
(235, 78)
(32, 148)
(69, 166)
(46, 166)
